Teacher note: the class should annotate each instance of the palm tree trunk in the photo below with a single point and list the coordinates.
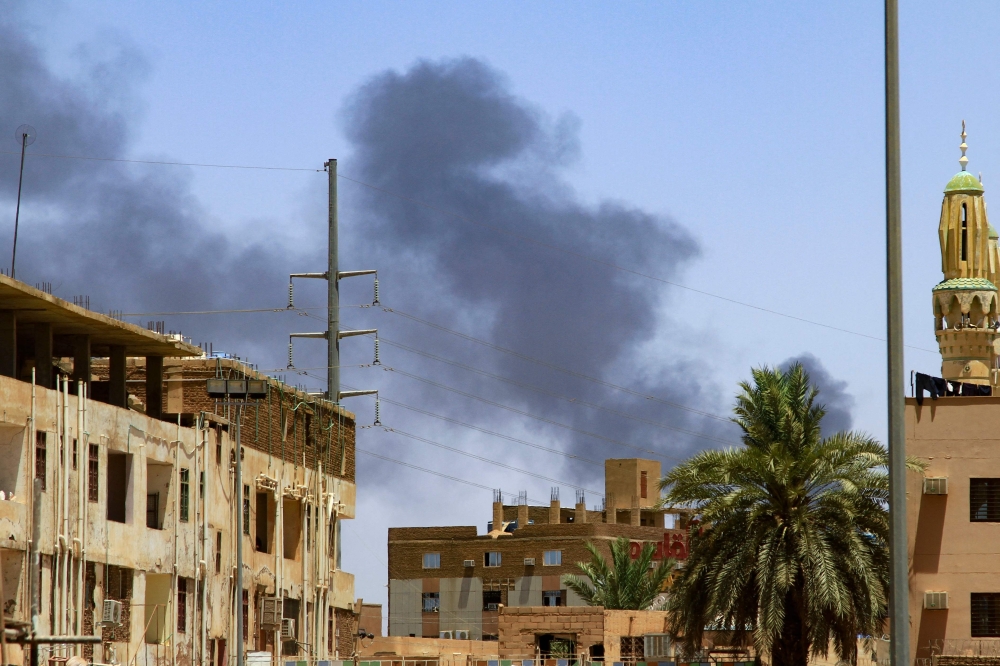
(792, 647)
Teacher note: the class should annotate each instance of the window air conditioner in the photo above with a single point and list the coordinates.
(470, 563)
(112, 613)
(287, 629)
(936, 600)
(444, 634)
(492, 607)
(461, 634)
(270, 612)
(529, 561)
(936, 485)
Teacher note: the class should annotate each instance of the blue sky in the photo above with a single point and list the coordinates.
(758, 128)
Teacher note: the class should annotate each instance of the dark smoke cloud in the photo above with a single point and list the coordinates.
(452, 134)
(132, 238)
(833, 393)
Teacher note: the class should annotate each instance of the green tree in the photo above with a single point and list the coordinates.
(625, 584)
(791, 548)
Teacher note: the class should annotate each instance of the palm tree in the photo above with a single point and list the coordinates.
(791, 549)
(625, 585)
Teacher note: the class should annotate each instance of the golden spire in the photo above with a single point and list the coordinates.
(963, 160)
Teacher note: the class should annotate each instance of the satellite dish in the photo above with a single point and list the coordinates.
(25, 135)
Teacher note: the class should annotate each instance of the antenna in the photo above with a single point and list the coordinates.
(25, 135)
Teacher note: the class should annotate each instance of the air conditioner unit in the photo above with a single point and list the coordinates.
(936, 600)
(444, 634)
(270, 612)
(287, 629)
(529, 561)
(461, 634)
(492, 607)
(470, 563)
(112, 613)
(656, 645)
(936, 485)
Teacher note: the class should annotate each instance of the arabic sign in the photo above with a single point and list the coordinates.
(674, 544)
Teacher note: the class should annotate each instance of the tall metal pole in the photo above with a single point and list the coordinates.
(17, 210)
(333, 295)
(898, 581)
(239, 543)
(35, 564)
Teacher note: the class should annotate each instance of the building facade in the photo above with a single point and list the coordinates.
(953, 508)
(452, 581)
(138, 509)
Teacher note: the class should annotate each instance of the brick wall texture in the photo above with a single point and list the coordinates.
(288, 424)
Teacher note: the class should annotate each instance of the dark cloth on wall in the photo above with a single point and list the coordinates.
(937, 387)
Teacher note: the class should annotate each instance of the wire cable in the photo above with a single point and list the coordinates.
(494, 228)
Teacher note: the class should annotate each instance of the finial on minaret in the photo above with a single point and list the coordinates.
(963, 160)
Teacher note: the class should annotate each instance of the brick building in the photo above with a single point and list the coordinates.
(138, 509)
(452, 581)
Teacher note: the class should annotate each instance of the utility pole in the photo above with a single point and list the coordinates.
(333, 275)
(332, 291)
(239, 541)
(899, 591)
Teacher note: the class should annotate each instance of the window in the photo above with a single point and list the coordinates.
(185, 494)
(432, 560)
(643, 484)
(552, 558)
(182, 605)
(93, 468)
(158, 479)
(984, 500)
(985, 614)
(74, 453)
(554, 598)
(40, 457)
(246, 616)
(965, 230)
(430, 602)
(491, 559)
(262, 534)
(116, 483)
(246, 510)
(201, 485)
(218, 552)
(152, 510)
(492, 600)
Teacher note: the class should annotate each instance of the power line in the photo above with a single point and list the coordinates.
(166, 163)
(487, 460)
(494, 228)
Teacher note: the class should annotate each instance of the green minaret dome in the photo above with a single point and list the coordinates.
(963, 182)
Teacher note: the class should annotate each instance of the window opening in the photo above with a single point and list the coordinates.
(218, 552)
(554, 598)
(643, 482)
(984, 500)
(246, 510)
(965, 231)
(185, 494)
(40, 452)
(93, 469)
(552, 558)
(158, 478)
(491, 559)
(182, 605)
(74, 453)
(117, 482)
(492, 600)
(432, 560)
(430, 602)
(985, 614)
(262, 540)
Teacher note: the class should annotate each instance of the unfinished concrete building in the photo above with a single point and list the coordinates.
(139, 525)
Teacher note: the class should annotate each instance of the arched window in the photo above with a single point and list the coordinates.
(965, 231)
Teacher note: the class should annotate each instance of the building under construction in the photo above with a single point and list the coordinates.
(139, 520)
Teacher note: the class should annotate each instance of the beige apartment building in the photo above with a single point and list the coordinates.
(954, 507)
(451, 582)
(139, 526)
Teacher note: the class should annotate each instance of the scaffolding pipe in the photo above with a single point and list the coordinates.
(81, 507)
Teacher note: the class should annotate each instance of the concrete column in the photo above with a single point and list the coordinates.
(635, 517)
(610, 509)
(555, 512)
(8, 343)
(116, 365)
(154, 386)
(580, 515)
(43, 356)
(81, 360)
(498, 516)
(522, 515)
